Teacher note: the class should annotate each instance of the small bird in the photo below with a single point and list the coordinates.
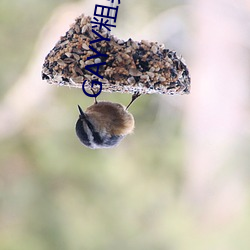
(104, 124)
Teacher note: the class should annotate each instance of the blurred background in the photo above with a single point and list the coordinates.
(180, 182)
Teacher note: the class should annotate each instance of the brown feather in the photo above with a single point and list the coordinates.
(112, 117)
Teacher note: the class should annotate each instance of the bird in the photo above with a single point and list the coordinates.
(104, 124)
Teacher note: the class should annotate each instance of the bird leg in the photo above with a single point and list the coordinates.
(134, 97)
(95, 96)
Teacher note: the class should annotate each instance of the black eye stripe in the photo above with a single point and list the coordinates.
(96, 135)
(97, 138)
(82, 135)
(90, 125)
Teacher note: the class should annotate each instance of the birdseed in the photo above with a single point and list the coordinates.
(131, 66)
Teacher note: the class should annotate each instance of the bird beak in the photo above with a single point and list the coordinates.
(82, 115)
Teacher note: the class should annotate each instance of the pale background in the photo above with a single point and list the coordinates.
(180, 182)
